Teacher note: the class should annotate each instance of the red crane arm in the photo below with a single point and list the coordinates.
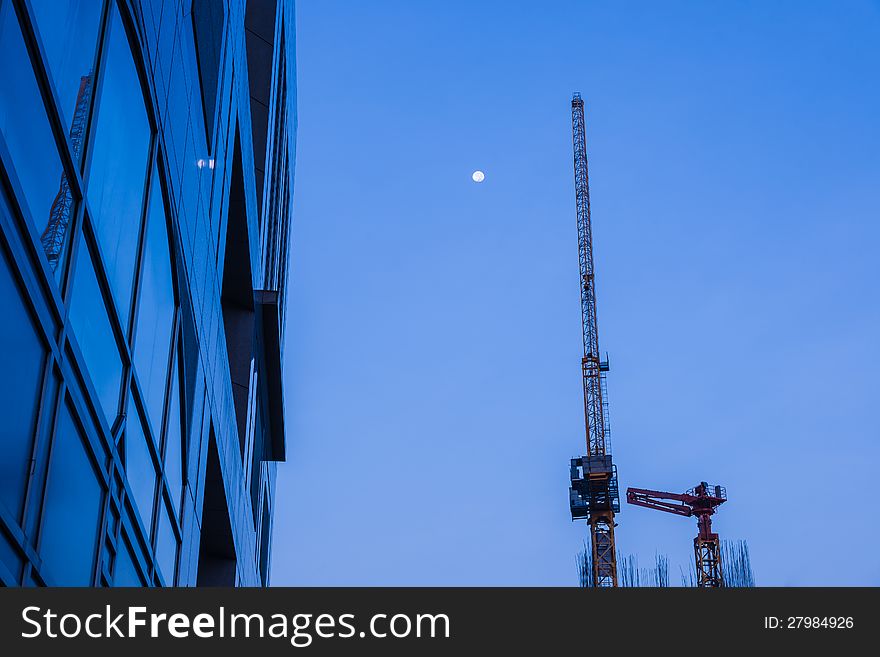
(653, 499)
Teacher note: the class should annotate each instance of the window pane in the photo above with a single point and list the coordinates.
(119, 164)
(155, 319)
(265, 541)
(91, 326)
(10, 557)
(72, 511)
(126, 571)
(139, 465)
(208, 18)
(173, 446)
(25, 128)
(166, 547)
(69, 33)
(256, 470)
(21, 352)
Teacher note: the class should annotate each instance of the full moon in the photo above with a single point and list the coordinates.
(478, 176)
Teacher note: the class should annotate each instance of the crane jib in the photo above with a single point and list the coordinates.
(594, 410)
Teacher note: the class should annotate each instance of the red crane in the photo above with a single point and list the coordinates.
(700, 501)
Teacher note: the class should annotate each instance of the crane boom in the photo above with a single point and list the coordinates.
(655, 499)
(593, 494)
(594, 410)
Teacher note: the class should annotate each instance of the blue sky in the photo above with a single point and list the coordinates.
(433, 338)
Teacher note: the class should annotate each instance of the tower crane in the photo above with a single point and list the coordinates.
(54, 235)
(593, 495)
(700, 501)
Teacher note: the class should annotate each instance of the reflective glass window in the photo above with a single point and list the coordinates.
(72, 509)
(91, 326)
(139, 465)
(108, 555)
(69, 33)
(208, 18)
(22, 353)
(265, 540)
(126, 572)
(166, 546)
(119, 164)
(25, 127)
(173, 443)
(155, 318)
(256, 473)
(10, 557)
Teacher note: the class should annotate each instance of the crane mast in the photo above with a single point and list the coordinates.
(593, 493)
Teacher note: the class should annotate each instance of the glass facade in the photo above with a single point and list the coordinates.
(69, 33)
(138, 269)
(92, 327)
(25, 126)
(119, 160)
(156, 306)
(72, 508)
(23, 353)
(140, 466)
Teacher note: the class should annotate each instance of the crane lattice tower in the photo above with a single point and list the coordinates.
(593, 494)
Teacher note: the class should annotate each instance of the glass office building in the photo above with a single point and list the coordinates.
(146, 180)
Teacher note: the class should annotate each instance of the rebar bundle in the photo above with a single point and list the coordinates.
(628, 571)
(735, 563)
